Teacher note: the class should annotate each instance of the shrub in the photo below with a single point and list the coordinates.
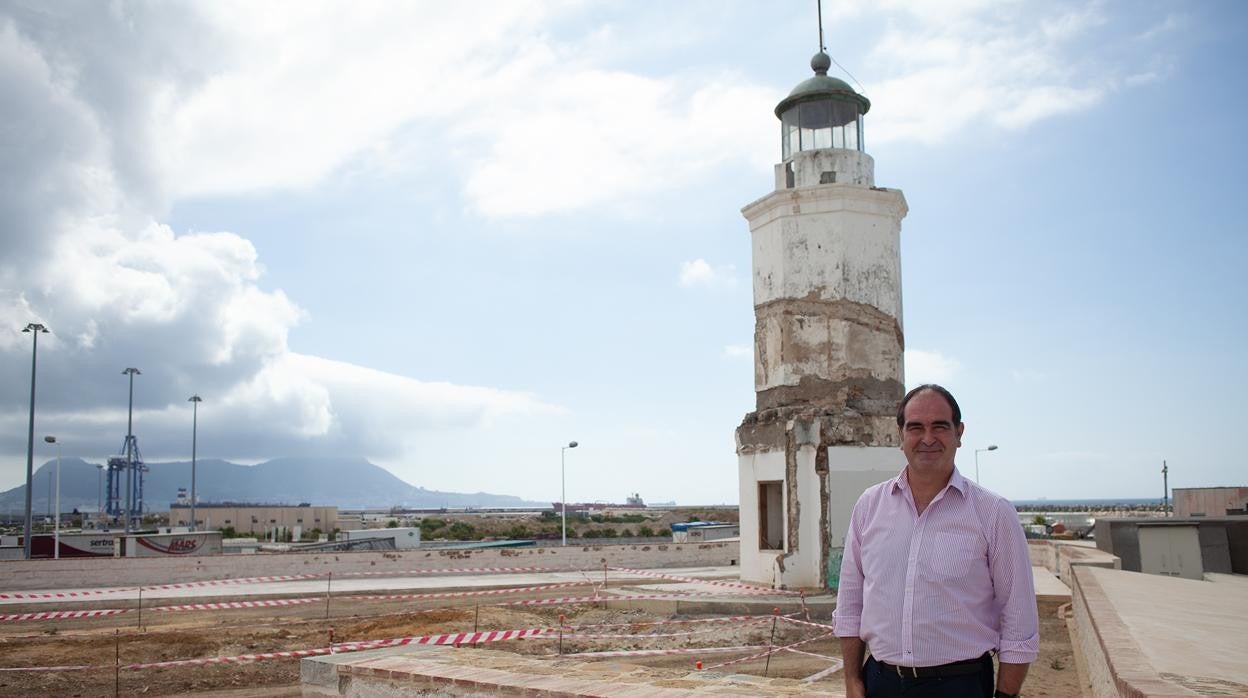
(626, 533)
(645, 532)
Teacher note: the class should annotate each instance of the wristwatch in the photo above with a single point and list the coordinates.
(1002, 694)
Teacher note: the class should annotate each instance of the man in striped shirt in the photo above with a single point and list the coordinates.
(935, 576)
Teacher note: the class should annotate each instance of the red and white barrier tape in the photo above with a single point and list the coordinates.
(57, 595)
(17, 595)
(773, 650)
(837, 665)
(57, 615)
(445, 639)
(453, 594)
(741, 588)
(810, 623)
(263, 603)
(646, 636)
(657, 653)
(450, 570)
(68, 667)
(725, 619)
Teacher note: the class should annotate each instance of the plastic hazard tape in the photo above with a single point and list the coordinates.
(773, 650)
(740, 588)
(233, 582)
(58, 594)
(446, 639)
(821, 626)
(454, 594)
(645, 636)
(724, 619)
(657, 653)
(56, 615)
(264, 603)
(61, 615)
(69, 667)
(596, 599)
(451, 570)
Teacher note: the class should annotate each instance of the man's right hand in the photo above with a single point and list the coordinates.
(853, 650)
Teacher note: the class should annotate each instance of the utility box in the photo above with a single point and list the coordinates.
(1173, 551)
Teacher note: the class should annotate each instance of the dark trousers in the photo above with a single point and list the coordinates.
(883, 683)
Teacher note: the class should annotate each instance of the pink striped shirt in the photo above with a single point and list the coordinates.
(940, 587)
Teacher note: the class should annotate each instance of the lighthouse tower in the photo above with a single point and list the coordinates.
(827, 339)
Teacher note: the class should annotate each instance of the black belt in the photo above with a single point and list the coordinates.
(963, 668)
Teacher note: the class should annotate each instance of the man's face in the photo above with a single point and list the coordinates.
(929, 438)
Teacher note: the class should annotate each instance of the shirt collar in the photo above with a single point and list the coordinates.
(956, 481)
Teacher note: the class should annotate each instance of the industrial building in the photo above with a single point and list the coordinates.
(257, 519)
(1210, 501)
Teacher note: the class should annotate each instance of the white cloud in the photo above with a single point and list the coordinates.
(699, 272)
(929, 367)
(739, 351)
(938, 73)
(83, 190)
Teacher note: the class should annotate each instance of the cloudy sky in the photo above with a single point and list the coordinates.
(450, 237)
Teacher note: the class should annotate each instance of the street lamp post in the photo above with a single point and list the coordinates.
(1165, 489)
(132, 372)
(991, 447)
(56, 535)
(34, 329)
(563, 489)
(194, 400)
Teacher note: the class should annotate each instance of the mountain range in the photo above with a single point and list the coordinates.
(348, 483)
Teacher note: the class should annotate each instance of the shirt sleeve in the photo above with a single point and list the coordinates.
(847, 618)
(1014, 589)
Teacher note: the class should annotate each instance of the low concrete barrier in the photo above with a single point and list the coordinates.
(1115, 663)
(85, 572)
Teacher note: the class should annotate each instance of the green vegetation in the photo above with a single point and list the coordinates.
(392, 524)
(228, 532)
(645, 532)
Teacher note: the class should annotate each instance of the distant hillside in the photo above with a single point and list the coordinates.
(350, 483)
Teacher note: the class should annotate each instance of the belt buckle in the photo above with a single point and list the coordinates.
(914, 674)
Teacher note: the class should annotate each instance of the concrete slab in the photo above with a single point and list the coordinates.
(1190, 631)
(1048, 585)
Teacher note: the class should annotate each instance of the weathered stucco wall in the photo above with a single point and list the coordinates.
(828, 346)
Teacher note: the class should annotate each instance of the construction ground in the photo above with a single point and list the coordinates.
(570, 623)
(595, 632)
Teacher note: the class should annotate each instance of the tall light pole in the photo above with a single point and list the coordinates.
(194, 400)
(563, 489)
(34, 329)
(56, 536)
(991, 447)
(1165, 488)
(132, 372)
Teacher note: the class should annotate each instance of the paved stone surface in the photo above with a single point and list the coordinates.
(1191, 631)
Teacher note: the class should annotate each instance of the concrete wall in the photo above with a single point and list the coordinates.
(757, 565)
(74, 573)
(1121, 537)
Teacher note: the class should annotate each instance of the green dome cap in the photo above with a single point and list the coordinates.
(821, 87)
